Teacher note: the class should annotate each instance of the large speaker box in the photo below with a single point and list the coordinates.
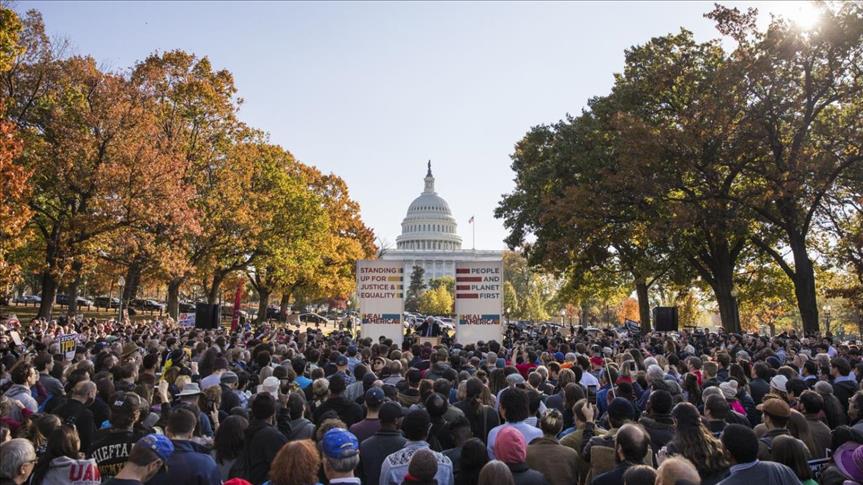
(665, 319)
(207, 316)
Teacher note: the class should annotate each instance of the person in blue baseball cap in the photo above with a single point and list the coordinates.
(149, 455)
(341, 451)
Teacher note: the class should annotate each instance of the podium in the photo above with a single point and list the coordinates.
(434, 341)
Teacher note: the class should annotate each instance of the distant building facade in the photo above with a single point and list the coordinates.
(430, 238)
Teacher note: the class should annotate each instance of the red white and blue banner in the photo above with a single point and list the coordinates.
(479, 301)
(380, 291)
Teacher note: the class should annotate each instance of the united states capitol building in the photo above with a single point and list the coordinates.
(430, 238)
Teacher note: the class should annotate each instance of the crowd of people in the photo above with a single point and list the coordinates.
(156, 403)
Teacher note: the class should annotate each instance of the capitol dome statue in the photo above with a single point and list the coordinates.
(429, 224)
(430, 239)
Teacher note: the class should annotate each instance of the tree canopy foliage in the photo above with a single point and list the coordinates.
(702, 160)
(150, 174)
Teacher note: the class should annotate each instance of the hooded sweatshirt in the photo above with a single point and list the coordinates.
(67, 471)
(21, 393)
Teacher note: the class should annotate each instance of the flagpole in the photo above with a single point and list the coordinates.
(473, 227)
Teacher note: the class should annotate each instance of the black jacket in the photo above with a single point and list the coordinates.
(74, 412)
(481, 421)
(373, 452)
(524, 475)
(660, 428)
(613, 477)
(347, 410)
(843, 392)
(263, 442)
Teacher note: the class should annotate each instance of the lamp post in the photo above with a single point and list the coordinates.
(121, 282)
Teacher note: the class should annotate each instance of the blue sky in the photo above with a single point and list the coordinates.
(370, 91)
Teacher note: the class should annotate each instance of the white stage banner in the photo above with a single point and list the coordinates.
(479, 301)
(380, 289)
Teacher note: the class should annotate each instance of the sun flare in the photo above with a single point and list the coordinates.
(805, 14)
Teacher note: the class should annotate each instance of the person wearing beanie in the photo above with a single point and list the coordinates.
(346, 410)
(415, 427)
(514, 407)
(729, 391)
(510, 448)
(421, 469)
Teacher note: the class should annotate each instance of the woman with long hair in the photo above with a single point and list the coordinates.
(228, 444)
(798, 426)
(474, 456)
(495, 472)
(62, 463)
(693, 441)
(691, 389)
(496, 380)
(482, 418)
(42, 427)
(792, 453)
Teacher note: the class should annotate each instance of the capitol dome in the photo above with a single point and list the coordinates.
(429, 224)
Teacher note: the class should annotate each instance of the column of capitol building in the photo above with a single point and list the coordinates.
(430, 239)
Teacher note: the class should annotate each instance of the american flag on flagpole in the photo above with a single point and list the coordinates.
(470, 221)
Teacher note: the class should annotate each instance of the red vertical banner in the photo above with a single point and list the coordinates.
(237, 296)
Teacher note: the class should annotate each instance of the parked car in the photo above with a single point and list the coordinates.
(275, 313)
(28, 299)
(106, 302)
(313, 318)
(147, 305)
(64, 300)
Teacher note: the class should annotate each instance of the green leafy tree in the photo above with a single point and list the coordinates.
(805, 117)
(436, 301)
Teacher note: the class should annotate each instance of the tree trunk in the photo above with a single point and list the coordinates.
(174, 296)
(804, 285)
(72, 293)
(133, 280)
(49, 294)
(643, 304)
(213, 294)
(264, 297)
(285, 303)
(727, 306)
(49, 280)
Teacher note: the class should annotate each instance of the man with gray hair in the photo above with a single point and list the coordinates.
(341, 451)
(657, 382)
(17, 460)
